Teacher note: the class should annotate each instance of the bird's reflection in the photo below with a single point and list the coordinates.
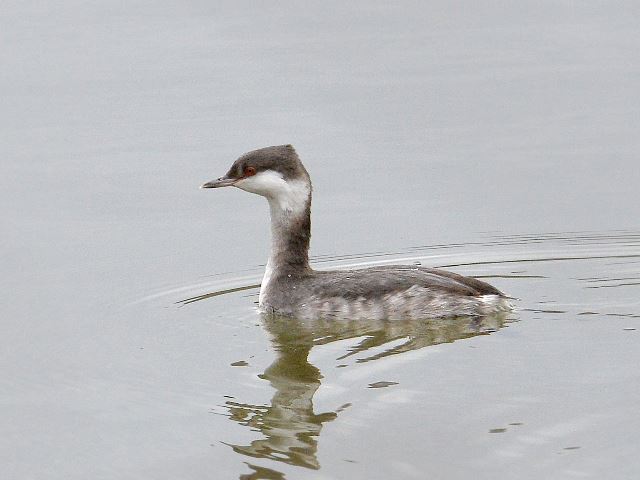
(289, 426)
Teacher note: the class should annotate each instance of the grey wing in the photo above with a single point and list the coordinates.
(378, 281)
(480, 287)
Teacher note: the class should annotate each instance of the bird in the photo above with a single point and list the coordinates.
(291, 287)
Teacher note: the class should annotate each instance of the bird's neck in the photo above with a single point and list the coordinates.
(290, 230)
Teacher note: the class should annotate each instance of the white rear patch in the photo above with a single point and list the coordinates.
(496, 303)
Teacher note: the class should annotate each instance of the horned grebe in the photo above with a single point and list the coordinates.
(291, 287)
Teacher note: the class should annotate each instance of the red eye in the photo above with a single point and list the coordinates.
(249, 171)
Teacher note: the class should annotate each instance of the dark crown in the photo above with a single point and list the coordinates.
(281, 158)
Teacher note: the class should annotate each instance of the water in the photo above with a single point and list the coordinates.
(496, 141)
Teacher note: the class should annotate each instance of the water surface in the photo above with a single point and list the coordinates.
(494, 140)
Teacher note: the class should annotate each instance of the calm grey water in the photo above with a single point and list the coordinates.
(497, 140)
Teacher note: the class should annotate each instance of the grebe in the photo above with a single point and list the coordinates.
(291, 287)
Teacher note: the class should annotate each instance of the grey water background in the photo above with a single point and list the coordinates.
(498, 139)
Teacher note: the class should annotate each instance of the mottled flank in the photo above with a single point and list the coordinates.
(392, 293)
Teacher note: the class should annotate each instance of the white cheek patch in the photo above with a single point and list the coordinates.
(285, 196)
(267, 183)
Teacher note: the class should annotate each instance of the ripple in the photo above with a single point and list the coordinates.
(508, 257)
(495, 251)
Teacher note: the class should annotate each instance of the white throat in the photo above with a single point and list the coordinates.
(288, 201)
